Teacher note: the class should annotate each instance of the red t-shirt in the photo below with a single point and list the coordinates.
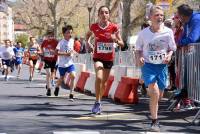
(77, 46)
(48, 47)
(104, 45)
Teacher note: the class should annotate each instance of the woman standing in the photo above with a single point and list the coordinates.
(106, 36)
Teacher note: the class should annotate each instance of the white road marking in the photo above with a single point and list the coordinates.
(105, 116)
(9, 76)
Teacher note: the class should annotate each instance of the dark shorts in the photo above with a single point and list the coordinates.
(106, 64)
(50, 64)
(34, 61)
(7, 62)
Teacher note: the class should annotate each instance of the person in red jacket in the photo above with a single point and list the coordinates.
(48, 47)
(106, 35)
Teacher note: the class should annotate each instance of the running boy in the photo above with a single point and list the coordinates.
(48, 47)
(19, 53)
(7, 54)
(65, 52)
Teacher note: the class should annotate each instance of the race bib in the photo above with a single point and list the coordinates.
(48, 53)
(104, 47)
(156, 57)
(19, 54)
(33, 53)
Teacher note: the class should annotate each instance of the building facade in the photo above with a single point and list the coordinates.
(6, 22)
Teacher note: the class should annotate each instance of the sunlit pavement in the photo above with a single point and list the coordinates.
(24, 109)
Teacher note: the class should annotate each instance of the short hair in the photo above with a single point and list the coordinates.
(66, 28)
(50, 32)
(154, 8)
(31, 37)
(7, 40)
(185, 10)
(19, 42)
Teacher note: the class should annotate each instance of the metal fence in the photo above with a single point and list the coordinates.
(188, 71)
(192, 59)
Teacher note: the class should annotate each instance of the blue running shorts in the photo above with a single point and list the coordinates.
(64, 70)
(18, 61)
(152, 73)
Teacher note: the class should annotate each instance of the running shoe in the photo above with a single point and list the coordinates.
(6, 78)
(155, 127)
(48, 92)
(71, 97)
(96, 108)
(56, 91)
(30, 78)
(188, 107)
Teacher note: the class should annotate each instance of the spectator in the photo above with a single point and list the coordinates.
(77, 45)
(191, 34)
(83, 45)
(191, 22)
(178, 28)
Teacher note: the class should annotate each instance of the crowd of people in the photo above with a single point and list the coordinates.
(156, 46)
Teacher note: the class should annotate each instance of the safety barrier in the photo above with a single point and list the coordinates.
(188, 73)
(193, 73)
(123, 74)
(126, 91)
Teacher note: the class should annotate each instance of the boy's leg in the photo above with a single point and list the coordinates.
(48, 82)
(19, 69)
(53, 70)
(72, 76)
(153, 92)
(5, 68)
(62, 72)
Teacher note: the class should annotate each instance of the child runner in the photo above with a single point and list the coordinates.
(48, 47)
(65, 52)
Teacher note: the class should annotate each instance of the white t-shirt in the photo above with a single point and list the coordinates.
(6, 53)
(155, 46)
(63, 46)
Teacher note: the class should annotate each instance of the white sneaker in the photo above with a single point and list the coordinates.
(155, 127)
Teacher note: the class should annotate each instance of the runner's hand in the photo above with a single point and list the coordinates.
(141, 61)
(167, 59)
(114, 38)
(90, 48)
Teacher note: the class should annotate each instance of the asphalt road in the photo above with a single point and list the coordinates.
(24, 109)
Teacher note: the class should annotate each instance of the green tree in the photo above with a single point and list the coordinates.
(23, 38)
